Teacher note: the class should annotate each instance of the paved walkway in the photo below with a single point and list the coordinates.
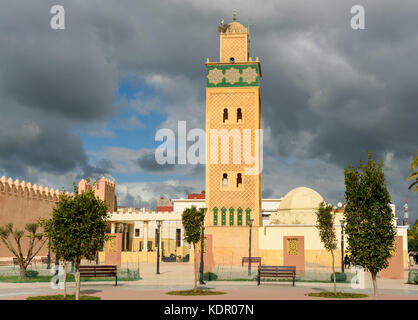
(180, 276)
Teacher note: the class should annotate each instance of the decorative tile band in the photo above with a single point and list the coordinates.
(237, 75)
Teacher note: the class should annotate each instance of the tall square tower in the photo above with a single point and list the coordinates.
(233, 123)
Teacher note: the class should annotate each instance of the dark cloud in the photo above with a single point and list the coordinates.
(148, 163)
(145, 195)
(267, 193)
(50, 81)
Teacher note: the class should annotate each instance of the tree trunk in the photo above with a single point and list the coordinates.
(64, 266)
(77, 280)
(333, 272)
(374, 285)
(195, 268)
(22, 272)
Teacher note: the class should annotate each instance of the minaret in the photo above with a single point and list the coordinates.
(405, 214)
(233, 123)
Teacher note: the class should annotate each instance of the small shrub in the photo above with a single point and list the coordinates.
(31, 273)
(210, 276)
(413, 277)
(339, 295)
(193, 293)
(341, 277)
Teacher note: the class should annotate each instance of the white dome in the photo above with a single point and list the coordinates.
(301, 198)
(236, 27)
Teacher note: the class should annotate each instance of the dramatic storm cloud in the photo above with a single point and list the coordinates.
(329, 93)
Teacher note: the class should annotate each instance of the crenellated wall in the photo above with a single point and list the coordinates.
(104, 189)
(22, 203)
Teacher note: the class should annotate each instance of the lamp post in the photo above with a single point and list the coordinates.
(48, 264)
(202, 243)
(249, 251)
(342, 246)
(158, 246)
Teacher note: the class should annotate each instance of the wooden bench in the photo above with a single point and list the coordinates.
(276, 272)
(44, 260)
(99, 271)
(253, 259)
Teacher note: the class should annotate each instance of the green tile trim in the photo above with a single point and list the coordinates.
(216, 75)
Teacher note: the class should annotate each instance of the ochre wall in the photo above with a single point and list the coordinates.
(230, 244)
(22, 203)
(113, 250)
(168, 244)
(271, 241)
(395, 270)
(132, 258)
(297, 260)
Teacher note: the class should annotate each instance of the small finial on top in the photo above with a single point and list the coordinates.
(234, 15)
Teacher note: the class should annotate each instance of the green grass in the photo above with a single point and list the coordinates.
(339, 295)
(197, 293)
(15, 279)
(61, 297)
(70, 278)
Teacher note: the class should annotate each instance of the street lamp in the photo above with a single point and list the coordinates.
(48, 264)
(159, 222)
(342, 245)
(249, 251)
(202, 242)
(49, 248)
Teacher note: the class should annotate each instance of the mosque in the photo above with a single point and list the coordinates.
(283, 230)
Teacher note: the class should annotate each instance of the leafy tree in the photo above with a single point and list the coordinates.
(370, 223)
(77, 229)
(35, 244)
(413, 245)
(325, 224)
(192, 222)
(413, 232)
(413, 237)
(414, 174)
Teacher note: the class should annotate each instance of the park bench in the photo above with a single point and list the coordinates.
(253, 260)
(99, 271)
(171, 258)
(44, 260)
(276, 272)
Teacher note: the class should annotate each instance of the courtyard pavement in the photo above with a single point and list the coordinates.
(179, 276)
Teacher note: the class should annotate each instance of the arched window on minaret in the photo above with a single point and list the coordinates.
(239, 180)
(225, 180)
(225, 117)
(239, 115)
